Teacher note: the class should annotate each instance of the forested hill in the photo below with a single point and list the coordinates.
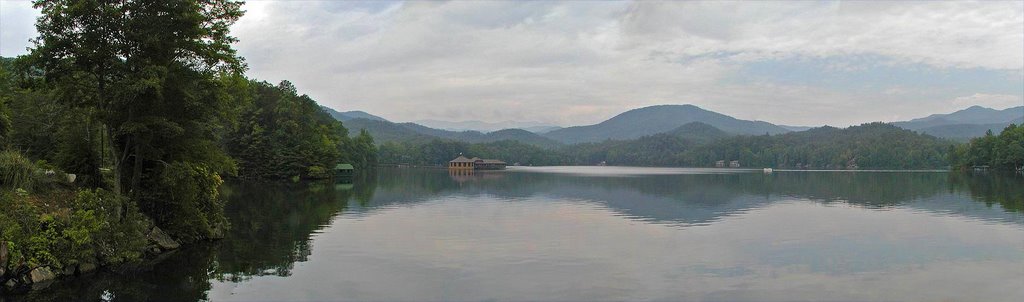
(868, 146)
(384, 132)
(964, 124)
(657, 119)
(350, 115)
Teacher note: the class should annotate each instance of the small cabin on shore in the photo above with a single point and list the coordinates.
(476, 163)
(344, 171)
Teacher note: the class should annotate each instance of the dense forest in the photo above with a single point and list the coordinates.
(1004, 151)
(868, 146)
(118, 127)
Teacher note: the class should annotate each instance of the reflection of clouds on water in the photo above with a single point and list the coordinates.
(477, 248)
(425, 234)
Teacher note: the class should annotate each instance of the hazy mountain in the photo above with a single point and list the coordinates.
(384, 131)
(542, 129)
(520, 135)
(656, 119)
(349, 115)
(796, 128)
(964, 124)
(484, 126)
(698, 132)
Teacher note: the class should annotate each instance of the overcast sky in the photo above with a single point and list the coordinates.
(572, 63)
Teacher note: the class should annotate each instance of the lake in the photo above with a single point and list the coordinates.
(599, 234)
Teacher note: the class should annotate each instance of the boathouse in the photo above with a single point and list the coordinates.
(476, 163)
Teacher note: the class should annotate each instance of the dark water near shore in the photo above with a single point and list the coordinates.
(600, 234)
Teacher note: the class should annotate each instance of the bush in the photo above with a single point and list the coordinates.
(16, 171)
(68, 228)
(317, 172)
(186, 202)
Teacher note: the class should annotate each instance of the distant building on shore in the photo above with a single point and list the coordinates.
(476, 163)
(720, 164)
(734, 164)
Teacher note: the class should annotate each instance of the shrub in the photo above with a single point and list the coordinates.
(16, 171)
(186, 203)
(317, 172)
(69, 228)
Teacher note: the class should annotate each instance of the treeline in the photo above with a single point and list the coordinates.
(868, 146)
(1004, 151)
(121, 122)
(438, 152)
(281, 134)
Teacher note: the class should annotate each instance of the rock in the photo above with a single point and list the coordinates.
(162, 239)
(68, 270)
(41, 274)
(86, 268)
(11, 283)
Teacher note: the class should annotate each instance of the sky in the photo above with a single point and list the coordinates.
(578, 62)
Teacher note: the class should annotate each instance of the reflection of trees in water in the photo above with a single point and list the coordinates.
(700, 198)
(270, 232)
(183, 276)
(272, 222)
(1004, 189)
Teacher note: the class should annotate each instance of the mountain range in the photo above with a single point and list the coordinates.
(535, 127)
(657, 119)
(670, 119)
(965, 124)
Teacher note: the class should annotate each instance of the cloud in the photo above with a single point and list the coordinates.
(17, 27)
(572, 63)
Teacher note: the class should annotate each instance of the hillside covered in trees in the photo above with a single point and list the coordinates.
(1004, 151)
(868, 146)
(118, 128)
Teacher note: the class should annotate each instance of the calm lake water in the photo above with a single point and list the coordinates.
(600, 234)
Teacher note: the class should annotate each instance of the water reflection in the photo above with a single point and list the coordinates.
(276, 227)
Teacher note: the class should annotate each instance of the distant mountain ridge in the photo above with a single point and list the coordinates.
(385, 131)
(350, 115)
(485, 127)
(657, 119)
(971, 122)
(668, 119)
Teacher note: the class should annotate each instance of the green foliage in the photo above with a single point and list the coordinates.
(868, 146)
(67, 228)
(318, 172)
(185, 202)
(16, 171)
(438, 152)
(282, 134)
(1003, 151)
(874, 146)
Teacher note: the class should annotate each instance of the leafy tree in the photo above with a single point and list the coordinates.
(150, 74)
(282, 134)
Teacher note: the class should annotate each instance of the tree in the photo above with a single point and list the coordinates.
(150, 73)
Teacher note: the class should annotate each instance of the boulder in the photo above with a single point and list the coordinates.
(41, 274)
(162, 239)
(86, 268)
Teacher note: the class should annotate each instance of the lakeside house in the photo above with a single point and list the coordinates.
(734, 164)
(476, 163)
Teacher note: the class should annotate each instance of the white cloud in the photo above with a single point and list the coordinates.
(17, 26)
(581, 62)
